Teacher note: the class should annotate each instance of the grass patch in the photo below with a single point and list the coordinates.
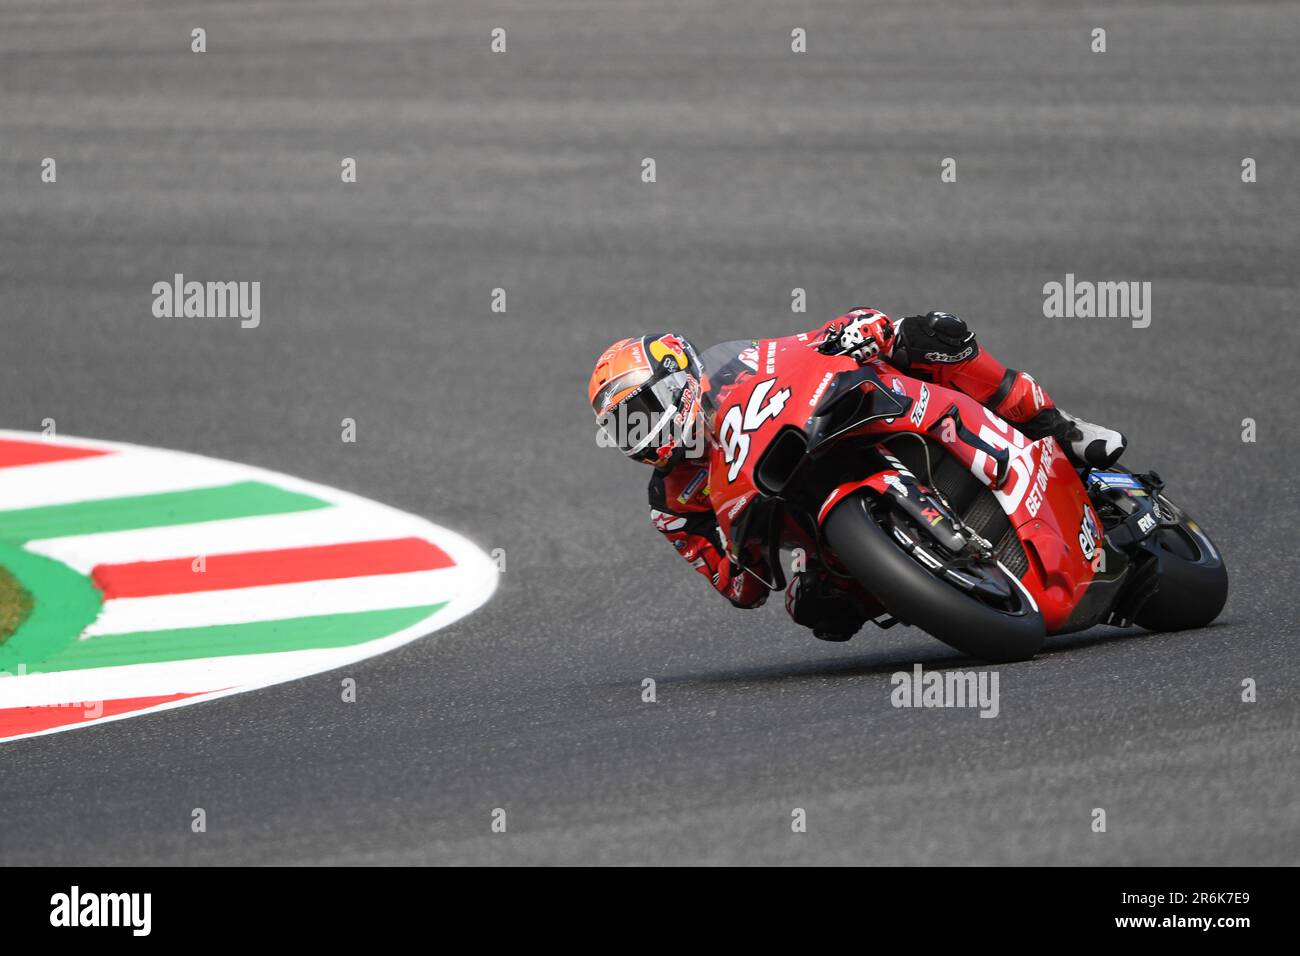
(15, 604)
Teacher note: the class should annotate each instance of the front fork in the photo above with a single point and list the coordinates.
(923, 505)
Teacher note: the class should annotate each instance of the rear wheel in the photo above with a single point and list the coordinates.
(998, 627)
(1191, 580)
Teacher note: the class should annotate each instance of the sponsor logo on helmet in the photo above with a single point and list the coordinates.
(670, 352)
(686, 403)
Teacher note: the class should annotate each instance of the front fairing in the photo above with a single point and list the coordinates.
(755, 391)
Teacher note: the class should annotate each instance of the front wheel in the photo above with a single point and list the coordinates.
(916, 596)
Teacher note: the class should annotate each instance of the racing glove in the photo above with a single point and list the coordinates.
(934, 338)
(861, 334)
(741, 589)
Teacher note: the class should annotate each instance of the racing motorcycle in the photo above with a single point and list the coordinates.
(942, 515)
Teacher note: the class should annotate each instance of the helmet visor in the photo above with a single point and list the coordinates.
(604, 400)
(643, 420)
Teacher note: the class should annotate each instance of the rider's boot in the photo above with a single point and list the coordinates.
(834, 613)
(1085, 443)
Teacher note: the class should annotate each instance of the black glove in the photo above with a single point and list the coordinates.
(934, 337)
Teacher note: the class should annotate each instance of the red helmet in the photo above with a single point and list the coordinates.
(646, 395)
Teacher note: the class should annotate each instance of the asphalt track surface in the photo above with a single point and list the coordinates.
(775, 170)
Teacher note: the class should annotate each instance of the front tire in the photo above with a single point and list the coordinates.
(915, 596)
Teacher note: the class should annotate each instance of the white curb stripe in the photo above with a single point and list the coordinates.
(277, 602)
(110, 476)
(301, 529)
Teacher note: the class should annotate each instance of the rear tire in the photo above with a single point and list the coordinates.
(915, 596)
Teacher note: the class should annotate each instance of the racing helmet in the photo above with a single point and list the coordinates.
(645, 393)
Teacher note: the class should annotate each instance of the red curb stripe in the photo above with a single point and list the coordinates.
(258, 568)
(14, 453)
(15, 721)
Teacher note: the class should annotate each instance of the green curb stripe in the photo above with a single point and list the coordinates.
(243, 499)
(64, 603)
(224, 640)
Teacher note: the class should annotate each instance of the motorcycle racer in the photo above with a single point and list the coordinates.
(659, 382)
